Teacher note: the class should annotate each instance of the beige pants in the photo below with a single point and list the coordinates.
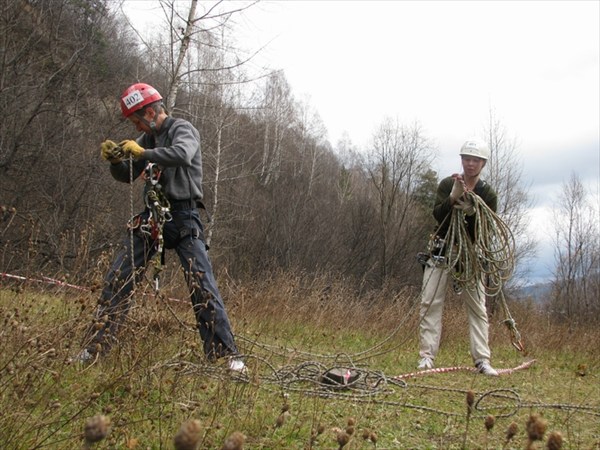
(435, 280)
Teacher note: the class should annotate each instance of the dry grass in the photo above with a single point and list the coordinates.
(156, 386)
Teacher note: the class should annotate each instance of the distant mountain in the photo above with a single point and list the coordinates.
(539, 292)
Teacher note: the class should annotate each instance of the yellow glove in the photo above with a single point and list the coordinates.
(132, 148)
(111, 152)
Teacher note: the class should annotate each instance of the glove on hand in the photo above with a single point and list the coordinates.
(458, 189)
(132, 148)
(467, 205)
(111, 152)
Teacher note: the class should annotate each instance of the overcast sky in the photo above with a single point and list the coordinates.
(444, 64)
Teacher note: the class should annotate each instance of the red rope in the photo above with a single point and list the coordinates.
(48, 280)
(45, 280)
(420, 373)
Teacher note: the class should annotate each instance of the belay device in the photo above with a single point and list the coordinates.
(341, 377)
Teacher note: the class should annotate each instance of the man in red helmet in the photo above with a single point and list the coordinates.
(168, 154)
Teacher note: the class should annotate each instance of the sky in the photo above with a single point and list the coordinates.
(444, 65)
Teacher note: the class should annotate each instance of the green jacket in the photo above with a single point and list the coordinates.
(443, 209)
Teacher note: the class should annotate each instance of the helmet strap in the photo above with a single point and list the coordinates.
(150, 124)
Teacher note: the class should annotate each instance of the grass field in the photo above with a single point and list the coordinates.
(155, 389)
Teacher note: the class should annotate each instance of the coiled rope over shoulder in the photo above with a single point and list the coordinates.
(489, 256)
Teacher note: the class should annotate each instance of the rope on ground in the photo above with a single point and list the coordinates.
(367, 386)
(525, 365)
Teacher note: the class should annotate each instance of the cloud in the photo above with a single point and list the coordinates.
(548, 171)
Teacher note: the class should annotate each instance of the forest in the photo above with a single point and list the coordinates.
(313, 243)
(280, 197)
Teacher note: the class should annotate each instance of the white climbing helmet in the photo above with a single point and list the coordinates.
(475, 147)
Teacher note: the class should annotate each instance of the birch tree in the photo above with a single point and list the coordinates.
(504, 172)
(277, 115)
(576, 286)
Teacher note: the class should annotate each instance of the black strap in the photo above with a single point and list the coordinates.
(180, 205)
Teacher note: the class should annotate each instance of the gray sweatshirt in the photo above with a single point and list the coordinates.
(176, 149)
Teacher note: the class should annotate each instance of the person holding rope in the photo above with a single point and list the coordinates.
(168, 155)
(454, 193)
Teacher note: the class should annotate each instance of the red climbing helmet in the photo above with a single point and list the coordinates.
(137, 96)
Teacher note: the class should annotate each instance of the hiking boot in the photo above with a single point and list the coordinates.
(485, 368)
(83, 357)
(425, 364)
(237, 365)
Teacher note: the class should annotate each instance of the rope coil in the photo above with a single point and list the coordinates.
(489, 255)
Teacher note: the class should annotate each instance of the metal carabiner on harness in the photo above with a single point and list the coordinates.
(516, 339)
(160, 212)
(152, 173)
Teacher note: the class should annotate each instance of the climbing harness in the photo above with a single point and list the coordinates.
(159, 210)
(159, 207)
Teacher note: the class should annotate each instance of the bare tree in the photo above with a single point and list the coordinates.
(278, 115)
(313, 133)
(505, 175)
(398, 158)
(52, 95)
(577, 255)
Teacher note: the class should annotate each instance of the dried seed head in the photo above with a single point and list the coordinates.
(536, 427)
(351, 421)
(555, 441)
(96, 428)
(282, 418)
(581, 370)
(350, 430)
(188, 436)
(234, 442)
(320, 429)
(470, 401)
(342, 438)
(511, 431)
(366, 433)
(373, 437)
(489, 422)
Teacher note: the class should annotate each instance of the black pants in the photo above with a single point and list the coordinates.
(184, 233)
